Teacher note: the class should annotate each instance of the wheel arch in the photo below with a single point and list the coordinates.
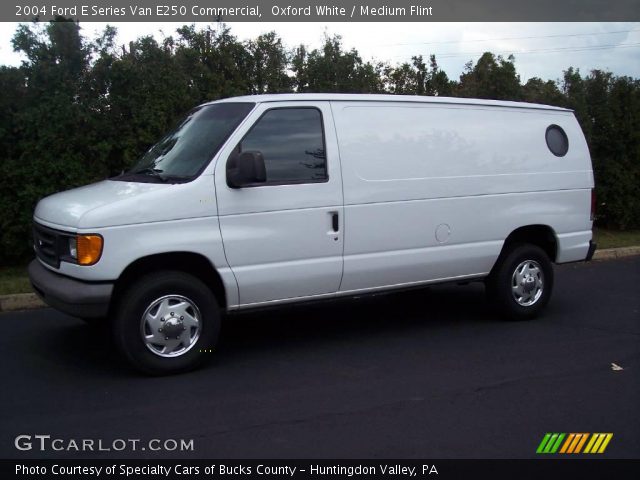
(188, 262)
(542, 236)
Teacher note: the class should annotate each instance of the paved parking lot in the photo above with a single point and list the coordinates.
(421, 374)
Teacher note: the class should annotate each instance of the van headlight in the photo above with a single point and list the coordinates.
(85, 249)
(73, 248)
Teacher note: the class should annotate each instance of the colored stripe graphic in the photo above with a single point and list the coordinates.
(556, 445)
(567, 443)
(605, 443)
(598, 442)
(576, 438)
(544, 441)
(572, 443)
(550, 443)
(581, 443)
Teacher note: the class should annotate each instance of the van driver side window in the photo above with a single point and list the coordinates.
(291, 141)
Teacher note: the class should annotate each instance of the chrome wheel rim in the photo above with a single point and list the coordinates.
(171, 326)
(527, 283)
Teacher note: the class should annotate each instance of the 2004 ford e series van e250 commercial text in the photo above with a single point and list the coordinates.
(261, 200)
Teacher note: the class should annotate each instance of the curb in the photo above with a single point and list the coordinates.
(29, 301)
(611, 253)
(20, 301)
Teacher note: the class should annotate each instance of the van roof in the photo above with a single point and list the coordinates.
(350, 97)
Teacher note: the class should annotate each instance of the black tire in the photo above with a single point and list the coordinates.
(127, 325)
(500, 283)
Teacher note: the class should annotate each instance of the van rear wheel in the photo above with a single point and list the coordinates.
(167, 322)
(521, 282)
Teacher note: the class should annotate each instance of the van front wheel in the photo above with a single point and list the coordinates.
(521, 282)
(167, 322)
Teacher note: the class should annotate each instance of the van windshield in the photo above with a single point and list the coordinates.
(183, 152)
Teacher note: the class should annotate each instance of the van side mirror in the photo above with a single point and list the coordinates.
(246, 169)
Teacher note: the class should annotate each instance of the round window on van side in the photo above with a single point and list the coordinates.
(557, 140)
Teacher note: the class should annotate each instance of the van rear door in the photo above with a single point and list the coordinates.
(283, 237)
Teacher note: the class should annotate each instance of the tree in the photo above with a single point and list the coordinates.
(147, 93)
(79, 110)
(53, 152)
(438, 82)
(331, 69)
(491, 77)
(613, 119)
(217, 64)
(537, 90)
(269, 63)
(416, 78)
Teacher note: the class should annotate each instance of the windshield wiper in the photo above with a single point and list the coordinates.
(153, 172)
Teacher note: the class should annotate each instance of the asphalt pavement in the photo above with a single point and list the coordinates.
(429, 373)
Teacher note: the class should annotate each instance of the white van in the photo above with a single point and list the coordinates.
(261, 200)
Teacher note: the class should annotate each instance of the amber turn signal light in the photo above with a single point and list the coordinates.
(89, 249)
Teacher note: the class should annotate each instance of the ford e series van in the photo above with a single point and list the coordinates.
(265, 200)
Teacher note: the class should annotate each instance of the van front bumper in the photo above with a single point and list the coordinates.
(69, 295)
(592, 250)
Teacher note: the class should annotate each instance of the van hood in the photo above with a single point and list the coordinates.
(68, 208)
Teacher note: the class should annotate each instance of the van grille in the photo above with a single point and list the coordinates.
(48, 244)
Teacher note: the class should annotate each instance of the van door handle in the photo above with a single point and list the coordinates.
(335, 221)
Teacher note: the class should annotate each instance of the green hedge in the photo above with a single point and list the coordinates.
(79, 110)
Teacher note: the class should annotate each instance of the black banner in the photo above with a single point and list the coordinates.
(324, 10)
(326, 469)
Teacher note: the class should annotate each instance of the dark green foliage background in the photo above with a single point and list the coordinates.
(79, 110)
